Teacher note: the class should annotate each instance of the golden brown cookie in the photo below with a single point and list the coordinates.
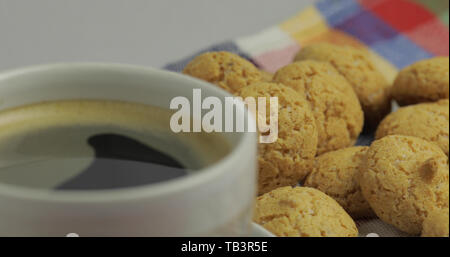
(333, 102)
(289, 159)
(334, 173)
(405, 178)
(436, 224)
(226, 70)
(423, 81)
(355, 65)
(303, 212)
(428, 121)
(266, 76)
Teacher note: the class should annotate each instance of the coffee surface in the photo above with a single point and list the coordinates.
(97, 144)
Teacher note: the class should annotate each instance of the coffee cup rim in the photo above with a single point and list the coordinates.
(205, 175)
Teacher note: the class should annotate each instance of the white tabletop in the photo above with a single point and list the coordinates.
(146, 32)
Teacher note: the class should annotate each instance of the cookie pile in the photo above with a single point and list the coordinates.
(326, 97)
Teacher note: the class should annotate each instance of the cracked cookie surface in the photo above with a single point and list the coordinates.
(429, 121)
(289, 159)
(335, 106)
(334, 173)
(423, 81)
(436, 224)
(266, 76)
(404, 180)
(355, 65)
(303, 212)
(224, 69)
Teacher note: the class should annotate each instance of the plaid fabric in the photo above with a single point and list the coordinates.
(397, 33)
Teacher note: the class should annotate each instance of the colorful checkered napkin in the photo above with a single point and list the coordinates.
(396, 32)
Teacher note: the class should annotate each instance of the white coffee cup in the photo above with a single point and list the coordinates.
(216, 201)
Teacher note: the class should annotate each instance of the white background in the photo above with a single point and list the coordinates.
(146, 32)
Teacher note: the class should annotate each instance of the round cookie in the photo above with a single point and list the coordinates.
(303, 212)
(226, 70)
(335, 173)
(428, 121)
(436, 224)
(333, 102)
(289, 159)
(423, 81)
(355, 65)
(405, 178)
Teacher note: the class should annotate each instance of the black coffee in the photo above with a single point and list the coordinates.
(95, 145)
(125, 162)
